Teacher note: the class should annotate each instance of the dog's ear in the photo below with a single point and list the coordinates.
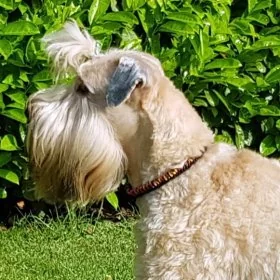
(127, 76)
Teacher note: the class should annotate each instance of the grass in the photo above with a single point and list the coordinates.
(70, 249)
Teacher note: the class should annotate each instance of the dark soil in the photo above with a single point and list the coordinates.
(16, 207)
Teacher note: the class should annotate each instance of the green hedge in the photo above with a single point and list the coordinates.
(223, 54)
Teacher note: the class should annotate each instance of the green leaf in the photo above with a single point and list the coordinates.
(278, 124)
(152, 3)
(114, 5)
(257, 108)
(250, 56)
(130, 40)
(277, 4)
(18, 97)
(20, 28)
(242, 26)
(239, 136)
(155, 44)
(15, 105)
(240, 83)
(268, 146)
(3, 87)
(251, 5)
(2, 104)
(124, 17)
(41, 85)
(219, 39)
(113, 200)
(5, 157)
(22, 132)
(15, 114)
(9, 176)
(179, 28)
(244, 116)
(5, 48)
(260, 66)
(23, 76)
(23, 7)
(266, 42)
(261, 83)
(199, 102)
(185, 17)
(3, 193)
(225, 137)
(32, 49)
(8, 143)
(249, 136)
(277, 141)
(107, 28)
(262, 5)
(273, 76)
(269, 110)
(211, 98)
(42, 76)
(267, 125)
(224, 101)
(269, 30)
(147, 19)
(223, 63)
(3, 17)
(8, 80)
(17, 58)
(218, 23)
(97, 9)
(7, 4)
(200, 44)
(134, 4)
(259, 17)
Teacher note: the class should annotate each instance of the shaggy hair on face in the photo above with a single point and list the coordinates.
(71, 162)
(219, 220)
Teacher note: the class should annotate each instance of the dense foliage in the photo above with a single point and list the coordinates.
(223, 54)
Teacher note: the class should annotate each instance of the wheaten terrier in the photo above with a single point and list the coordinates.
(208, 211)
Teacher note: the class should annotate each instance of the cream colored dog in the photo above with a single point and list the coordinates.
(220, 219)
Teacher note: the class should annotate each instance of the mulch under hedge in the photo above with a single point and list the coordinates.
(15, 207)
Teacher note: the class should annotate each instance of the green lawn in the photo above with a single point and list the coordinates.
(73, 249)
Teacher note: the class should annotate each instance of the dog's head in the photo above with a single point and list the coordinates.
(76, 131)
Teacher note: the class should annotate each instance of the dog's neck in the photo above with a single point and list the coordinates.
(170, 133)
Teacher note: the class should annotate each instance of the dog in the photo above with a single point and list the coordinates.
(208, 210)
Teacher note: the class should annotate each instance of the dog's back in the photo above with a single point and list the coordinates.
(219, 220)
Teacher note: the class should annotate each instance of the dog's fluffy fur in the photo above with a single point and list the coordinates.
(218, 220)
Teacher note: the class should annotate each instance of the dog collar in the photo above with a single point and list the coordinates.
(161, 180)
